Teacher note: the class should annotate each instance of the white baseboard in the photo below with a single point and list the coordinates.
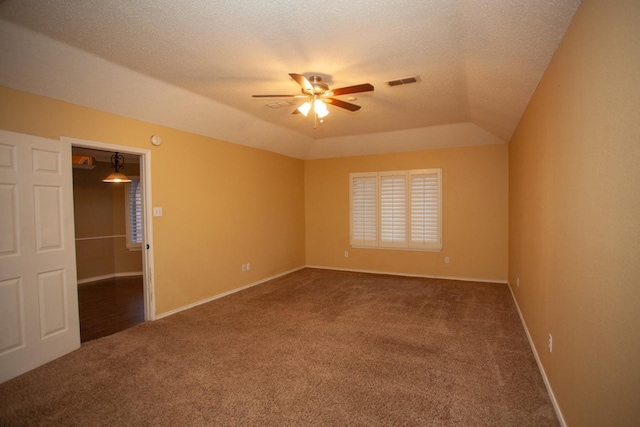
(224, 294)
(540, 367)
(109, 276)
(465, 279)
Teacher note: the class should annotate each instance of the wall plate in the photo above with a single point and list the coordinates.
(156, 140)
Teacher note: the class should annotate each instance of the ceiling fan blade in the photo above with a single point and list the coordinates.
(342, 104)
(365, 87)
(302, 81)
(279, 96)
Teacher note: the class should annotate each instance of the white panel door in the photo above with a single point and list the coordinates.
(38, 287)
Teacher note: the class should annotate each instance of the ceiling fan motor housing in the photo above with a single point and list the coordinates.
(319, 87)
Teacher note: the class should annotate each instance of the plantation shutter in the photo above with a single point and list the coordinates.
(393, 212)
(364, 210)
(134, 214)
(396, 209)
(426, 208)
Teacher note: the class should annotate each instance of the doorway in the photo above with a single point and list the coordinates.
(115, 288)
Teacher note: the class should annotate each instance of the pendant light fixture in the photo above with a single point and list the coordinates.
(117, 163)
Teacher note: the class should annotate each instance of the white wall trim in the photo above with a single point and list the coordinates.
(540, 367)
(109, 276)
(465, 279)
(80, 239)
(224, 294)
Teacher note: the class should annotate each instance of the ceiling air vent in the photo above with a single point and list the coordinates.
(403, 81)
(279, 104)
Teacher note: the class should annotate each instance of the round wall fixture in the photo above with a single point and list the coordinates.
(156, 140)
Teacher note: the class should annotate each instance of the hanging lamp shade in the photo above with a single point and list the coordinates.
(304, 108)
(116, 177)
(117, 163)
(320, 108)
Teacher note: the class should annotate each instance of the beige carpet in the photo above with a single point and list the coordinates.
(311, 348)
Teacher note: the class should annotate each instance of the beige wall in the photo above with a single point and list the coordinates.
(575, 216)
(475, 209)
(223, 204)
(99, 211)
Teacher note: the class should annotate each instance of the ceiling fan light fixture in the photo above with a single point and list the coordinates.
(318, 96)
(320, 108)
(304, 108)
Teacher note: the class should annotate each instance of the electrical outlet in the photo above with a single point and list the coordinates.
(518, 282)
(248, 266)
(244, 267)
(550, 343)
(346, 254)
(446, 260)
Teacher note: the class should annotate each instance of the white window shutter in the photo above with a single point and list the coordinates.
(396, 209)
(364, 210)
(426, 206)
(393, 208)
(133, 206)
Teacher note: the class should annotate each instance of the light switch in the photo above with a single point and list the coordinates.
(157, 211)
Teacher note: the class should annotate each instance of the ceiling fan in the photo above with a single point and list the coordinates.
(318, 95)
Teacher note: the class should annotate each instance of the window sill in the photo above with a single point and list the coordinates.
(397, 248)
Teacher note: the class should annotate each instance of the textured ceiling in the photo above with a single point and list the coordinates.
(477, 61)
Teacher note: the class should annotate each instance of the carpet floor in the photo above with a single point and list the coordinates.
(314, 347)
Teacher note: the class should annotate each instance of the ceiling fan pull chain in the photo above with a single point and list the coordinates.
(315, 114)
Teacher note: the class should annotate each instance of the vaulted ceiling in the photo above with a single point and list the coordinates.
(477, 63)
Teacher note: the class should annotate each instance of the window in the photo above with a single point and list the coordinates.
(398, 209)
(364, 207)
(133, 208)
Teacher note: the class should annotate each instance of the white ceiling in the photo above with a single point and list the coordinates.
(478, 62)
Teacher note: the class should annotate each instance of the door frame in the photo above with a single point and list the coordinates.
(147, 226)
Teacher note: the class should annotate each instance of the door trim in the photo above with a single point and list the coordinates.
(147, 232)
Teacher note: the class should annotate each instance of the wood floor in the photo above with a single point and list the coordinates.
(110, 306)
